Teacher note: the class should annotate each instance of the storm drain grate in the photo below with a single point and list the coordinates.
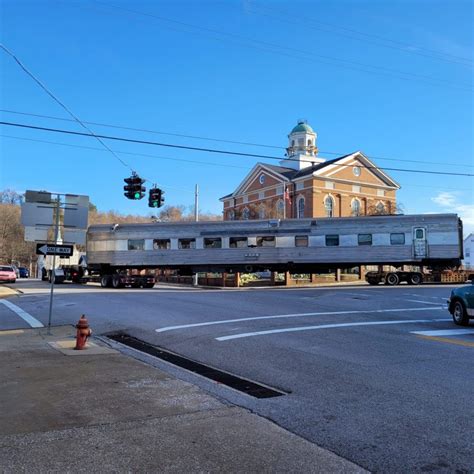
(246, 386)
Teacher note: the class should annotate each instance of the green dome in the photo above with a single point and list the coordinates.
(302, 127)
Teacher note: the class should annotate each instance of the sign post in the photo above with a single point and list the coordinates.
(38, 213)
(53, 269)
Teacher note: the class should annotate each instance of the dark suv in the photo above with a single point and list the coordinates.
(461, 303)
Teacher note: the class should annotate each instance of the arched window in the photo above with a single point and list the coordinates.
(300, 208)
(231, 215)
(380, 207)
(261, 212)
(329, 206)
(355, 207)
(246, 214)
(280, 209)
(292, 143)
(309, 143)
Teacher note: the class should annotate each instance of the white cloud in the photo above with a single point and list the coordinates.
(453, 202)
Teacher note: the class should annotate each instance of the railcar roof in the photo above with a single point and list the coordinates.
(266, 223)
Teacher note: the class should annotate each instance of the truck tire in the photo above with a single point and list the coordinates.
(105, 281)
(392, 279)
(415, 279)
(116, 282)
(460, 316)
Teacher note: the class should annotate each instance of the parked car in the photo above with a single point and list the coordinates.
(24, 273)
(7, 273)
(461, 303)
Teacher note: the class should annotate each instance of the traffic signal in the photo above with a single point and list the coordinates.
(155, 198)
(134, 189)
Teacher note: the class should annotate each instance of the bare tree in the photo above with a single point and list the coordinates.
(10, 196)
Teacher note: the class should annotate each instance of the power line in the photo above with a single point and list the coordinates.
(76, 119)
(160, 157)
(234, 142)
(359, 36)
(348, 64)
(210, 150)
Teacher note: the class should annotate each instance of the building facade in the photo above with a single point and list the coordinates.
(305, 185)
(468, 244)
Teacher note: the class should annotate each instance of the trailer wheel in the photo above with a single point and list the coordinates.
(415, 279)
(392, 279)
(116, 283)
(460, 316)
(105, 281)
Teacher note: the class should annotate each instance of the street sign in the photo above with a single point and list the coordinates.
(54, 249)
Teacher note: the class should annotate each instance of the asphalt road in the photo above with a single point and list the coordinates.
(364, 377)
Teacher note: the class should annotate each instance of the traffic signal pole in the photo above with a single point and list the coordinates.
(196, 218)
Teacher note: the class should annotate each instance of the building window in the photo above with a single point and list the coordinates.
(355, 207)
(231, 215)
(261, 179)
(261, 195)
(329, 206)
(364, 239)
(299, 185)
(300, 208)
(301, 241)
(161, 244)
(310, 142)
(380, 192)
(261, 212)
(213, 243)
(292, 143)
(356, 170)
(332, 240)
(186, 243)
(266, 241)
(280, 209)
(238, 242)
(397, 239)
(246, 214)
(137, 244)
(329, 185)
(355, 188)
(380, 207)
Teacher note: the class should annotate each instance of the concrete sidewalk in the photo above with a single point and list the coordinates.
(101, 411)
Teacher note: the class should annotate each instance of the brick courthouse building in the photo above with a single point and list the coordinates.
(305, 185)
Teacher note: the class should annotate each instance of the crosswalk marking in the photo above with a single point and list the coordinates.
(34, 323)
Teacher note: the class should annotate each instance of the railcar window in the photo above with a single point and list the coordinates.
(397, 239)
(332, 240)
(265, 241)
(238, 242)
(419, 234)
(365, 239)
(186, 243)
(161, 244)
(301, 240)
(137, 244)
(213, 243)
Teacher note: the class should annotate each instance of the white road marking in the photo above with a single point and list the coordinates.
(424, 302)
(296, 315)
(325, 326)
(34, 323)
(444, 332)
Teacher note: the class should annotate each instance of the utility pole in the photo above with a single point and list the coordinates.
(196, 218)
(196, 203)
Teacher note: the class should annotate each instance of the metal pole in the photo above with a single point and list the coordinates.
(196, 218)
(53, 270)
(196, 203)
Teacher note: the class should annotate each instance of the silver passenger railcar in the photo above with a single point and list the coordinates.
(299, 245)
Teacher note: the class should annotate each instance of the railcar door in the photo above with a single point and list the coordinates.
(420, 247)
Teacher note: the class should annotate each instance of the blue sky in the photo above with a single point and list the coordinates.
(390, 78)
